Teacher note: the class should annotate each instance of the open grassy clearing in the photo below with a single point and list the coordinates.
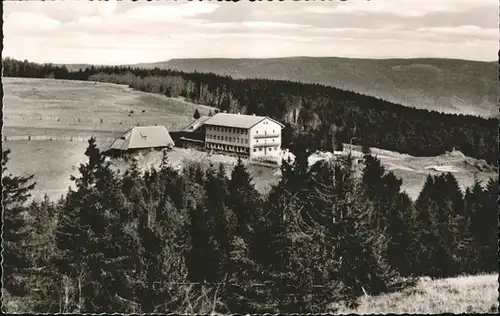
(464, 294)
(414, 170)
(48, 106)
(51, 162)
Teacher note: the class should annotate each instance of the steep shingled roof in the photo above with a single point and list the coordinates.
(143, 137)
(237, 120)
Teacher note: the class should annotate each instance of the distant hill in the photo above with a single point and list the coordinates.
(445, 85)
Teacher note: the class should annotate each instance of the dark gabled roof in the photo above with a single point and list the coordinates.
(143, 137)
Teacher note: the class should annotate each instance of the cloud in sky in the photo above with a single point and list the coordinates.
(406, 8)
(131, 32)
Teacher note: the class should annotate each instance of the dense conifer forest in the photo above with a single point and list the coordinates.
(197, 241)
(324, 117)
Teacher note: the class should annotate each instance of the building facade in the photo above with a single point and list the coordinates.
(245, 135)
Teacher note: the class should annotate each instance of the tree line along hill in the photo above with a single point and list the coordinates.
(321, 116)
(197, 241)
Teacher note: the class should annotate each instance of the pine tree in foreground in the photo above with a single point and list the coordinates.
(491, 226)
(16, 229)
(161, 264)
(244, 200)
(428, 251)
(93, 248)
(361, 267)
(390, 216)
(482, 209)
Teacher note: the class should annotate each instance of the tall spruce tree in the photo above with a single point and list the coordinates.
(425, 240)
(480, 207)
(489, 255)
(200, 251)
(437, 224)
(89, 238)
(221, 221)
(161, 265)
(456, 228)
(390, 213)
(244, 200)
(286, 256)
(360, 267)
(43, 219)
(212, 224)
(16, 229)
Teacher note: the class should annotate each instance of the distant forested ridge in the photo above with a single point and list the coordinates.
(319, 115)
(446, 85)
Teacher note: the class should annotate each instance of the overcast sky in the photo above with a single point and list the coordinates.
(73, 31)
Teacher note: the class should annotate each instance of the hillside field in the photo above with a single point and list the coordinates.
(75, 108)
(464, 294)
(414, 170)
(83, 108)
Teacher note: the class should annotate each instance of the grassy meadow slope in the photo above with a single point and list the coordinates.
(464, 294)
(414, 170)
(446, 85)
(63, 107)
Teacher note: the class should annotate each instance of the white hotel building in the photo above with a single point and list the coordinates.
(247, 135)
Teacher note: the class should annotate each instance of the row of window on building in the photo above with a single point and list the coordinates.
(268, 149)
(228, 148)
(227, 130)
(257, 132)
(228, 139)
(274, 139)
(237, 148)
